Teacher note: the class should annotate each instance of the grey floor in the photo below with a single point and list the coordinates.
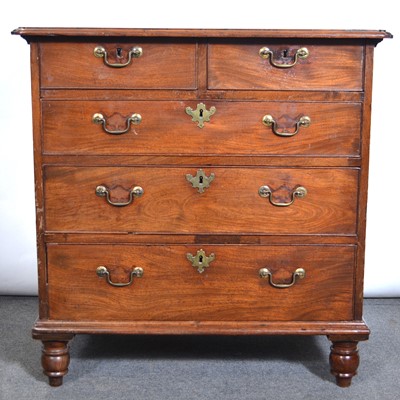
(196, 367)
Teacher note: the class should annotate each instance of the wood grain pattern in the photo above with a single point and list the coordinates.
(326, 68)
(77, 231)
(38, 33)
(166, 129)
(66, 66)
(230, 205)
(172, 289)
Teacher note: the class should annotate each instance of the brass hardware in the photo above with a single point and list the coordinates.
(103, 272)
(265, 52)
(101, 52)
(268, 120)
(200, 181)
(200, 114)
(134, 119)
(200, 260)
(299, 192)
(265, 273)
(103, 191)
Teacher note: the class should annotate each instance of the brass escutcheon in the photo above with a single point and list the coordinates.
(200, 181)
(200, 114)
(200, 260)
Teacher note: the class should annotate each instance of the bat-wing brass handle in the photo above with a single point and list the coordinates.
(268, 120)
(101, 52)
(265, 52)
(103, 272)
(265, 273)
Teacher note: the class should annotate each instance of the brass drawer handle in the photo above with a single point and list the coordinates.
(99, 119)
(200, 114)
(200, 261)
(268, 120)
(299, 192)
(265, 273)
(103, 191)
(265, 52)
(103, 272)
(201, 181)
(101, 52)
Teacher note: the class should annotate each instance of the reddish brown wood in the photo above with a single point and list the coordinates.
(324, 233)
(344, 361)
(326, 67)
(356, 330)
(66, 66)
(171, 289)
(34, 33)
(363, 186)
(334, 129)
(125, 237)
(55, 358)
(230, 205)
(200, 93)
(194, 161)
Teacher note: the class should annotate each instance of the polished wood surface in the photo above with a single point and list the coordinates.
(231, 204)
(171, 289)
(334, 129)
(66, 66)
(78, 231)
(326, 67)
(57, 33)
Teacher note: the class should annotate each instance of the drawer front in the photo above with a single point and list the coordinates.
(235, 128)
(231, 203)
(239, 66)
(230, 288)
(161, 66)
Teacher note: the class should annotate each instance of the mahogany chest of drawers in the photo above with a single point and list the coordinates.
(201, 182)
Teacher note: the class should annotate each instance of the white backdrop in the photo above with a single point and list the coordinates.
(17, 220)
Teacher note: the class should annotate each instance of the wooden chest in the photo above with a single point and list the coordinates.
(201, 182)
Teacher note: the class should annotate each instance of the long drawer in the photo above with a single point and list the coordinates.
(172, 200)
(240, 66)
(158, 67)
(235, 128)
(169, 287)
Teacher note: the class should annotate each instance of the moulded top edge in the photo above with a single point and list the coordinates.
(31, 32)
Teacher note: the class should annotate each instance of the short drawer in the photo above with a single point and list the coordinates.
(160, 66)
(236, 128)
(301, 201)
(240, 66)
(313, 283)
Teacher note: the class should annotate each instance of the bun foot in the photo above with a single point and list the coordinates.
(344, 361)
(55, 360)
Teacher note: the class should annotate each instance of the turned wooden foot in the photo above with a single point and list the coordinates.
(344, 361)
(55, 360)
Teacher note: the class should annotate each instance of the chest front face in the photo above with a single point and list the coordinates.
(201, 182)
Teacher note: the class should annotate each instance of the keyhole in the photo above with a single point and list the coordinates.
(200, 259)
(200, 181)
(201, 113)
(119, 52)
(285, 53)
